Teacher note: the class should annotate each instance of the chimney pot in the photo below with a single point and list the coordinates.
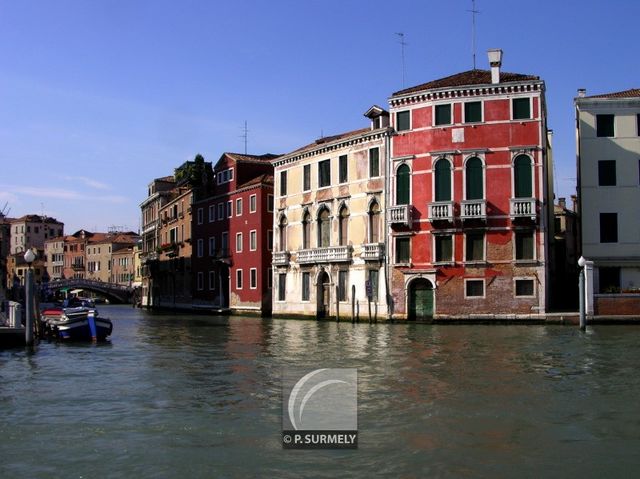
(495, 60)
(582, 92)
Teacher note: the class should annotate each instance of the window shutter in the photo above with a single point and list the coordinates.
(402, 185)
(443, 180)
(523, 178)
(474, 179)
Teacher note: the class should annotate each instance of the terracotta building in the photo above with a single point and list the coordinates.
(471, 196)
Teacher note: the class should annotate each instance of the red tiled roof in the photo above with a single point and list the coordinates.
(632, 93)
(266, 158)
(329, 139)
(265, 178)
(169, 179)
(470, 77)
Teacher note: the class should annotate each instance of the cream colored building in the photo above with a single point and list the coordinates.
(54, 257)
(329, 224)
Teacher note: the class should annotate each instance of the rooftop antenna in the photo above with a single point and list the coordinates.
(474, 12)
(245, 136)
(402, 44)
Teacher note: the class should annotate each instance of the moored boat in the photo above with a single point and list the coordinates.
(76, 324)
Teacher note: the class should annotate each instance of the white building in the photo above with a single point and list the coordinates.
(330, 226)
(608, 156)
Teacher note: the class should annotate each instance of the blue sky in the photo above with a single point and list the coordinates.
(99, 97)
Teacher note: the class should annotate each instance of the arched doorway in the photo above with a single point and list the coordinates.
(420, 299)
(323, 295)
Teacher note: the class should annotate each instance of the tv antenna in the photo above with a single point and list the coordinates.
(245, 136)
(402, 45)
(474, 12)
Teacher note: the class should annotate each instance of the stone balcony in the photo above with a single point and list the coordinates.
(473, 209)
(441, 211)
(329, 254)
(399, 215)
(373, 251)
(281, 258)
(522, 208)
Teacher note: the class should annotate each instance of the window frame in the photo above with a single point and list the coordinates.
(600, 127)
(212, 213)
(607, 176)
(212, 284)
(475, 296)
(282, 287)
(253, 278)
(605, 237)
(239, 206)
(438, 107)
(519, 234)
(321, 167)
(253, 203)
(513, 108)
(464, 112)
(476, 234)
(408, 118)
(200, 281)
(518, 279)
(305, 287)
(375, 149)
(239, 279)
(240, 241)
(306, 177)
(343, 161)
(253, 240)
(396, 256)
(283, 183)
(200, 215)
(440, 237)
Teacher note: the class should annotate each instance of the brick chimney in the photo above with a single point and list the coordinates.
(582, 92)
(495, 60)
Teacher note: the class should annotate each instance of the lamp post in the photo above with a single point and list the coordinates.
(581, 287)
(29, 257)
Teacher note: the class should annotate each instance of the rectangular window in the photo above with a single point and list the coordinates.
(342, 285)
(475, 247)
(239, 207)
(200, 216)
(212, 213)
(474, 288)
(609, 279)
(324, 173)
(342, 169)
(252, 204)
(282, 286)
(283, 183)
(521, 108)
(443, 114)
(220, 211)
(605, 125)
(200, 247)
(270, 203)
(374, 162)
(200, 280)
(238, 242)
(608, 227)
(525, 287)
(253, 278)
(444, 248)
(525, 245)
(253, 240)
(306, 180)
(212, 245)
(403, 120)
(607, 173)
(305, 286)
(270, 240)
(229, 209)
(212, 280)
(473, 112)
(403, 250)
(238, 279)
(373, 282)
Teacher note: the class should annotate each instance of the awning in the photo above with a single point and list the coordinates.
(76, 291)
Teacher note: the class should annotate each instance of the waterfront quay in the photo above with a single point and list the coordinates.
(178, 395)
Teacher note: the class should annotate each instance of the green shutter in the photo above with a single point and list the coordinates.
(523, 183)
(403, 120)
(374, 162)
(403, 179)
(521, 109)
(472, 112)
(443, 114)
(444, 248)
(443, 180)
(403, 254)
(474, 179)
(343, 168)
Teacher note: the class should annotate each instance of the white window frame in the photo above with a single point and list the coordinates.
(200, 280)
(531, 115)
(395, 120)
(433, 119)
(464, 115)
(525, 278)
(238, 206)
(484, 288)
(253, 271)
(212, 213)
(239, 239)
(253, 203)
(253, 238)
(200, 247)
(239, 275)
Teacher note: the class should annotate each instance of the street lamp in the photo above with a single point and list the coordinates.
(581, 286)
(29, 257)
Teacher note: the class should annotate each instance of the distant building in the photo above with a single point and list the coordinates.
(17, 270)
(608, 157)
(566, 247)
(233, 236)
(5, 246)
(31, 231)
(123, 266)
(329, 222)
(54, 257)
(74, 254)
(470, 196)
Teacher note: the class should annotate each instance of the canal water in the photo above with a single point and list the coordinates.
(197, 396)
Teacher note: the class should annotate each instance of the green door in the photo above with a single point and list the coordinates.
(421, 300)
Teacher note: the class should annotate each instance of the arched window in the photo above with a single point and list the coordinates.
(474, 183)
(324, 228)
(403, 178)
(282, 233)
(374, 222)
(306, 231)
(443, 180)
(343, 225)
(522, 177)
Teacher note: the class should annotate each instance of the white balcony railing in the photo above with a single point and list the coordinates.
(441, 211)
(281, 258)
(474, 209)
(523, 208)
(330, 254)
(373, 251)
(400, 214)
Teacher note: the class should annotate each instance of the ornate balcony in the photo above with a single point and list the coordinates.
(373, 251)
(523, 208)
(441, 211)
(474, 209)
(281, 258)
(330, 254)
(399, 215)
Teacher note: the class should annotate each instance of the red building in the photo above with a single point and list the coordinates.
(471, 194)
(233, 237)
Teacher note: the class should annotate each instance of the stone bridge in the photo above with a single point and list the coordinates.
(113, 291)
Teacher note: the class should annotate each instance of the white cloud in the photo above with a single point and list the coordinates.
(87, 181)
(58, 193)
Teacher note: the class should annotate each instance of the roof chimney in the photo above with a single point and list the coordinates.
(582, 92)
(495, 60)
(562, 202)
